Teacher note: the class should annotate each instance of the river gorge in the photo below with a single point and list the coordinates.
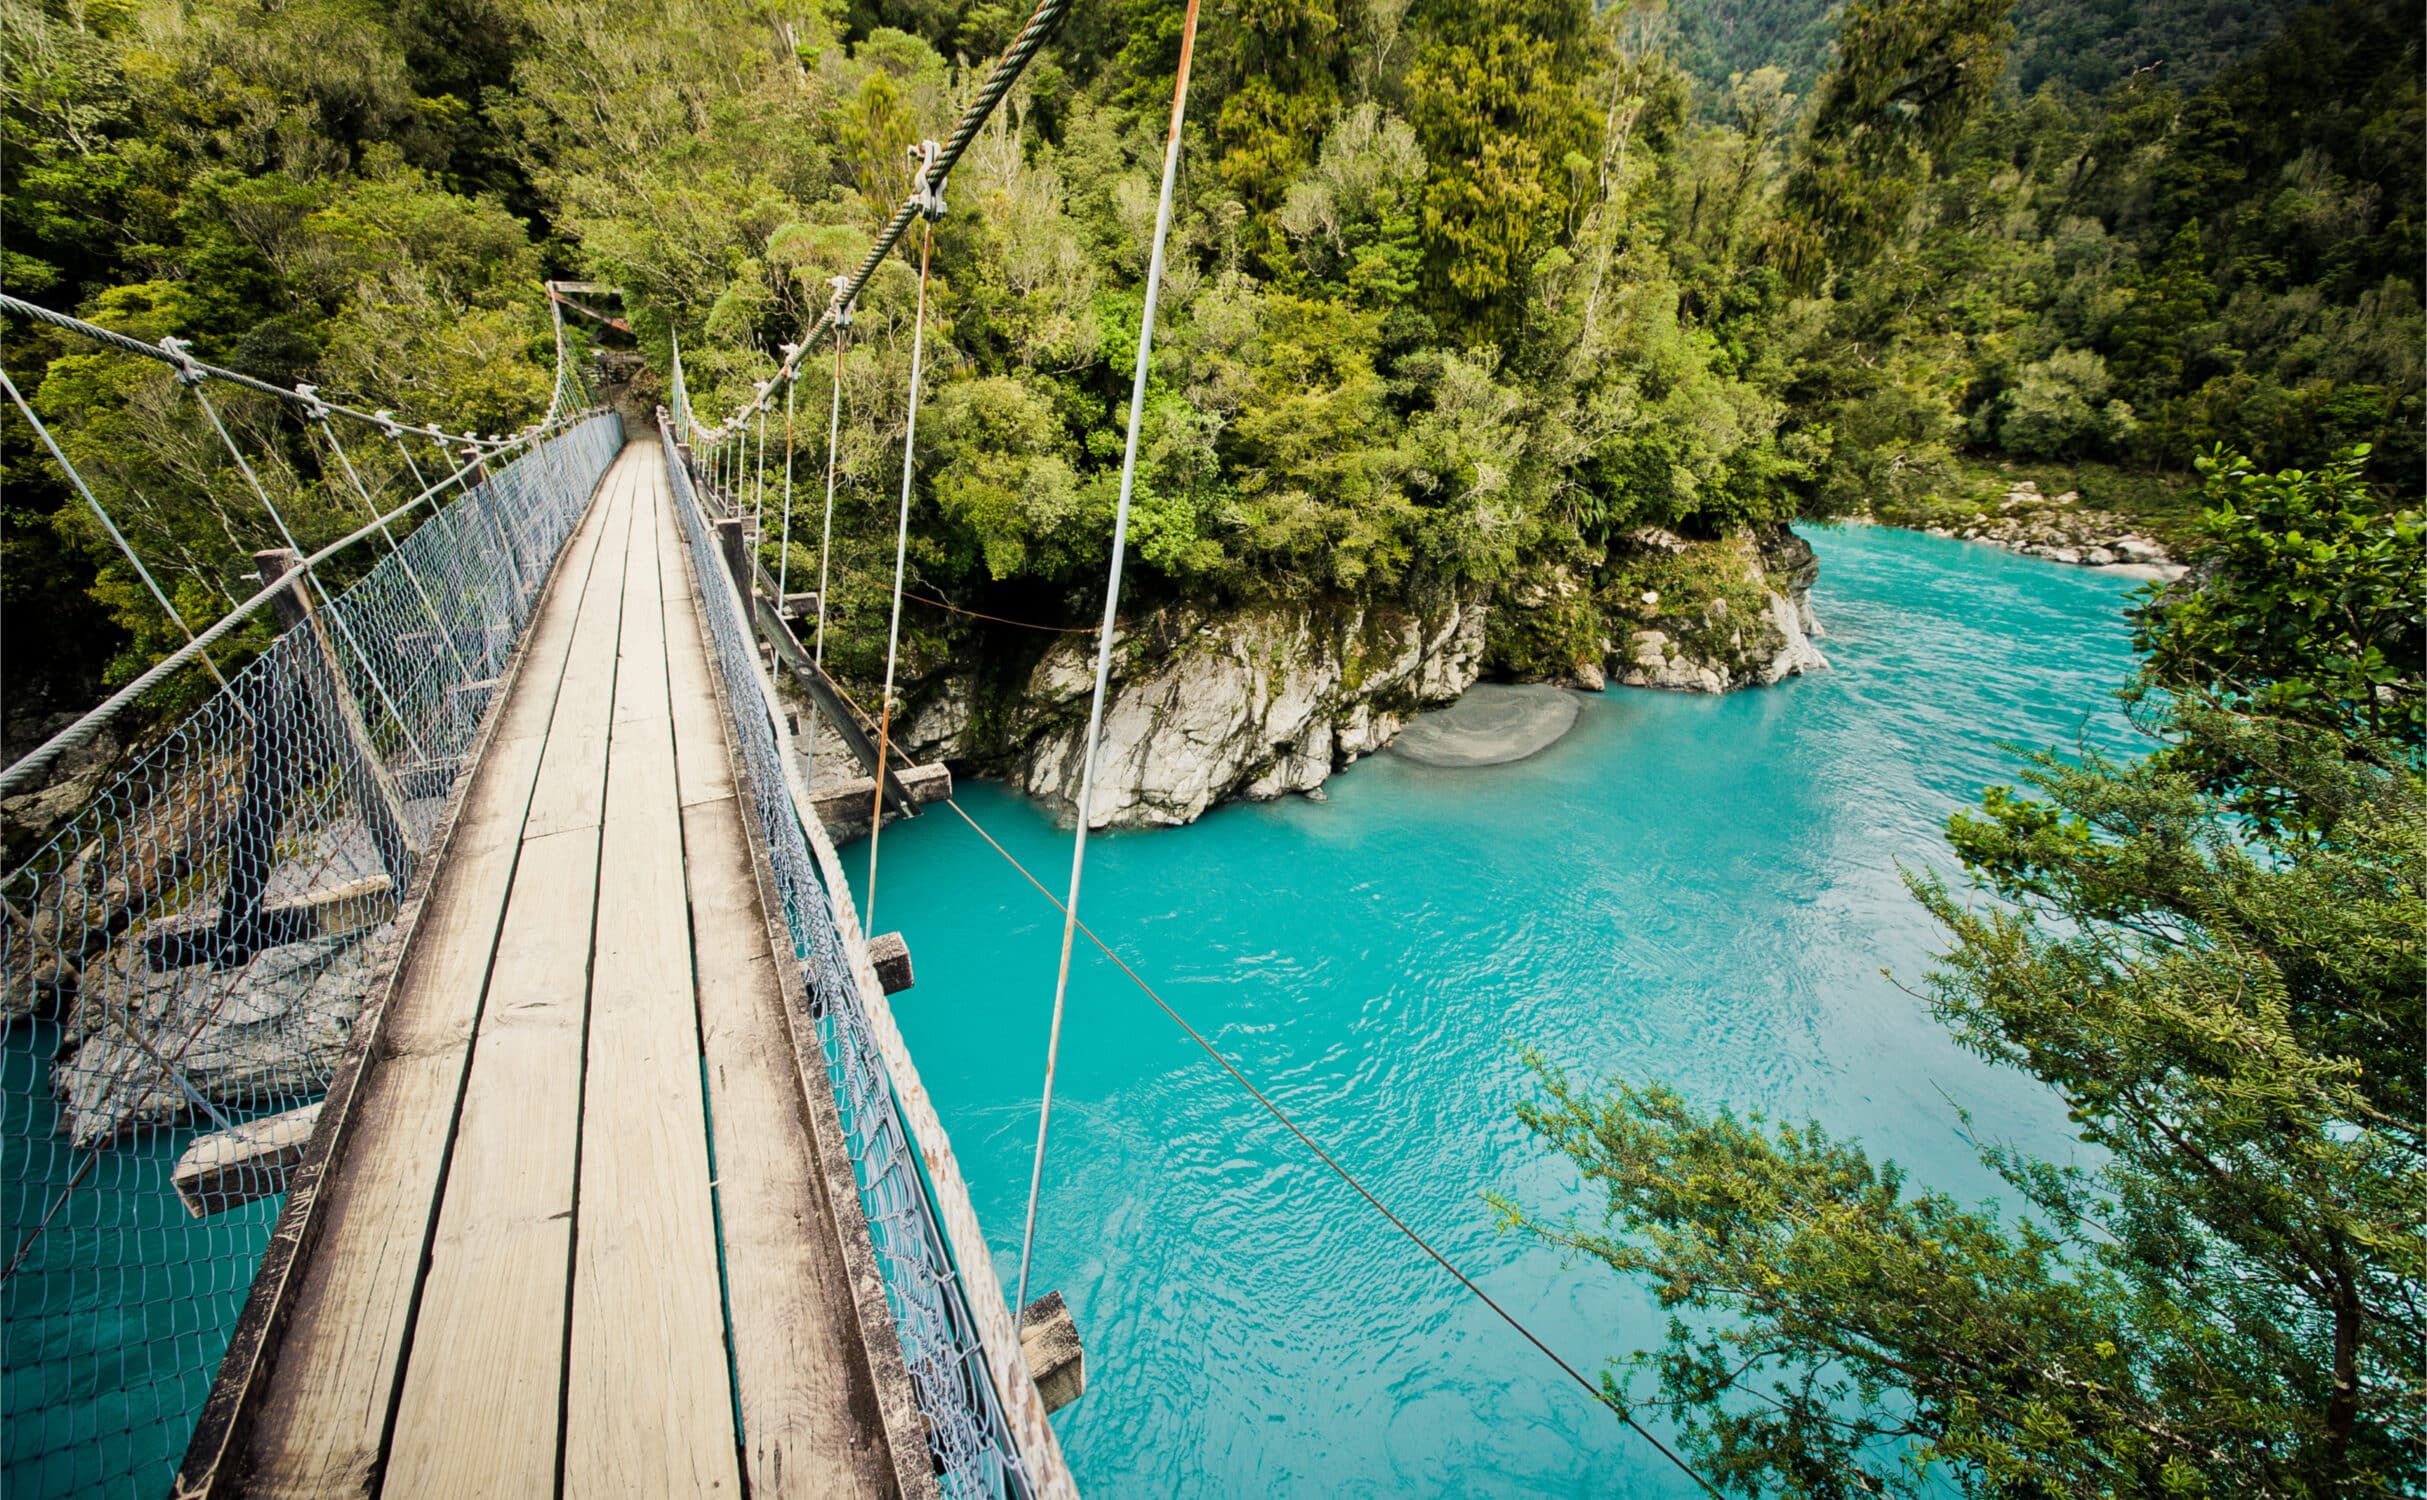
(1691, 887)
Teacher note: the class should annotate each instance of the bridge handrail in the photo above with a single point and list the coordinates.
(478, 451)
(990, 1431)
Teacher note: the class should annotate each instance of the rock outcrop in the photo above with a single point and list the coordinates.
(1737, 612)
(1204, 707)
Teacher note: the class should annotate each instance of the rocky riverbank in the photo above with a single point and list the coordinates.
(1209, 705)
(2060, 529)
(1713, 616)
(1206, 706)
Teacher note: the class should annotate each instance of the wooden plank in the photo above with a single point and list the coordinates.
(890, 952)
(478, 1412)
(810, 1424)
(575, 797)
(648, 1396)
(1049, 1343)
(1023, 1410)
(326, 1391)
(229, 1167)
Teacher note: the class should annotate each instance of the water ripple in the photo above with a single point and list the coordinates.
(1699, 890)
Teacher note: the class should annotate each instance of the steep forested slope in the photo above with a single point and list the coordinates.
(1466, 297)
(306, 192)
(2088, 45)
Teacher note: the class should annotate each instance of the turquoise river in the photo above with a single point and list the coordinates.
(1701, 890)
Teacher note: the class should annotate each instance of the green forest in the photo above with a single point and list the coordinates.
(1463, 295)
(1466, 298)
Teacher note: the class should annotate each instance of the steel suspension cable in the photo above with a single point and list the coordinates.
(310, 582)
(158, 595)
(901, 559)
(999, 79)
(783, 545)
(177, 354)
(758, 513)
(1112, 605)
(834, 432)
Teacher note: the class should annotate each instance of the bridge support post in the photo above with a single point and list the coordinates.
(737, 553)
(374, 789)
(1049, 1343)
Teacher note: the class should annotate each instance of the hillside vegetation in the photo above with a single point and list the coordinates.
(1464, 295)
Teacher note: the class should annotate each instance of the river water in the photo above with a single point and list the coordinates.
(1700, 890)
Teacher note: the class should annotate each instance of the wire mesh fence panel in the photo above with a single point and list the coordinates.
(182, 964)
(971, 1443)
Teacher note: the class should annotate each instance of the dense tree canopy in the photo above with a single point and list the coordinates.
(1463, 295)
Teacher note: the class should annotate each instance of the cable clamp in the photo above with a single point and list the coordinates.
(388, 425)
(839, 307)
(189, 370)
(929, 194)
(314, 409)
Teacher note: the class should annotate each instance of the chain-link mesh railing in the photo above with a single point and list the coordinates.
(183, 961)
(972, 1446)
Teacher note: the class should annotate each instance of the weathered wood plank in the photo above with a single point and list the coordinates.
(478, 1413)
(648, 1397)
(1049, 1342)
(572, 790)
(809, 1421)
(328, 1390)
(890, 952)
(229, 1167)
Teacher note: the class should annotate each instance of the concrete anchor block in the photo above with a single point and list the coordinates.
(1049, 1343)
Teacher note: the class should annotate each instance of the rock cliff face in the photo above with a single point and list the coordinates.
(1737, 613)
(1204, 707)
(1254, 703)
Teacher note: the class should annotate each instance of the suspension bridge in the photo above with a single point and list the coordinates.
(447, 1059)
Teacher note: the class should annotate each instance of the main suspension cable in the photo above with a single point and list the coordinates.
(158, 596)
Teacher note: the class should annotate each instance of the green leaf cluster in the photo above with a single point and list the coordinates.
(2217, 956)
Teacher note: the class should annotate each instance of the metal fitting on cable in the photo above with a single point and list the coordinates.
(314, 409)
(388, 425)
(839, 307)
(189, 370)
(929, 195)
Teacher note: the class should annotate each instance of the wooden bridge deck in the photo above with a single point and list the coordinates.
(571, 1234)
